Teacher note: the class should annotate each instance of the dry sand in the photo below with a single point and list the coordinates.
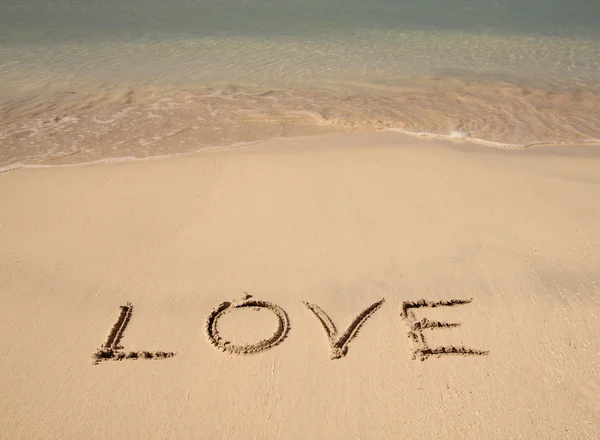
(319, 231)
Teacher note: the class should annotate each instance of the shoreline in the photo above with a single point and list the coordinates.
(108, 122)
(451, 139)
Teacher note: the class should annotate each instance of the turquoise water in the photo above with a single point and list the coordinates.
(508, 71)
(37, 20)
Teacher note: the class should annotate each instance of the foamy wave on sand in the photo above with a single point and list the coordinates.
(465, 136)
(113, 123)
(108, 160)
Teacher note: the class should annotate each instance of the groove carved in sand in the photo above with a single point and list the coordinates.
(339, 345)
(111, 349)
(422, 350)
(283, 326)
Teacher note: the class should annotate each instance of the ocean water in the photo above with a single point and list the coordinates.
(92, 79)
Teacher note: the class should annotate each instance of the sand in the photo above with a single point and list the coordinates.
(240, 280)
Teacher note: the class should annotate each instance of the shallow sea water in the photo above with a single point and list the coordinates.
(85, 80)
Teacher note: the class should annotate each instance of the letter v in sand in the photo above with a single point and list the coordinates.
(339, 345)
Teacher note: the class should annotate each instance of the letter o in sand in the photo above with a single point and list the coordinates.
(283, 326)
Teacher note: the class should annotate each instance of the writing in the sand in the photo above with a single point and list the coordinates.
(338, 341)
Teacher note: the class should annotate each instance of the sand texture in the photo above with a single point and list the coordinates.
(346, 286)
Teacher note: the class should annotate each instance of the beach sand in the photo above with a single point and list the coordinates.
(341, 222)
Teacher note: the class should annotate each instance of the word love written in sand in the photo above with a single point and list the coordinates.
(112, 350)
